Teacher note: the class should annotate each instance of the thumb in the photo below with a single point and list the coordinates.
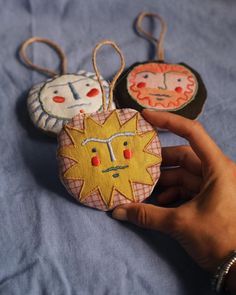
(146, 216)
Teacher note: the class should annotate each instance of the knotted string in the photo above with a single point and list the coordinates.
(29, 63)
(159, 43)
(113, 82)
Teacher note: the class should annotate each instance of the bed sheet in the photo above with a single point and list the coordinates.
(48, 243)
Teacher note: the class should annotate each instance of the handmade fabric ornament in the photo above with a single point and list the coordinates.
(53, 102)
(111, 157)
(158, 85)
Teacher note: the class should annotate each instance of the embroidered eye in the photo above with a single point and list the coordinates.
(179, 80)
(141, 84)
(145, 76)
(127, 154)
(93, 92)
(87, 84)
(55, 91)
(95, 161)
(58, 99)
(125, 143)
(94, 150)
(178, 89)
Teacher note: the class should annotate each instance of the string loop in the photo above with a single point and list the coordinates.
(113, 82)
(159, 42)
(29, 63)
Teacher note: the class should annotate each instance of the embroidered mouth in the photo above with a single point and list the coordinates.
(159, 96)
(115, 175)
(78, 105)
(114, 168)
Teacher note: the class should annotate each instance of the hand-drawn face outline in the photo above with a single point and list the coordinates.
(160, 86)
(107, 157)
(52, 103)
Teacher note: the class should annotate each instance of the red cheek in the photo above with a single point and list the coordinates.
(141, 85)
(178, 89)
(58, 99)
(93, 92)
(81, 111)
(95, 161)
(127, 154)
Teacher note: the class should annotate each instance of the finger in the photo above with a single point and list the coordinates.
(182, 156)
(145, 215)
(202, 144)
(174, 194)
(180, 177)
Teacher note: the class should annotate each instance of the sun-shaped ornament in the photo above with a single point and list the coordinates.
(52, 103)
(158, 85)
(111, 157)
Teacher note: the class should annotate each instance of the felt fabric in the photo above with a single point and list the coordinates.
(50, 244)
(52, 103)
(113, 159)
(175, 88)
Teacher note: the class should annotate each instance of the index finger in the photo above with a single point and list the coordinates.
(202, 144)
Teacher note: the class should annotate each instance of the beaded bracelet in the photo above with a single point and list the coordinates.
(218, 280)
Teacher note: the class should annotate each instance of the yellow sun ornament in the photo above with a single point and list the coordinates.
(109, 158)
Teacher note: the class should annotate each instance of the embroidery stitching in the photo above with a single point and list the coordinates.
(115, 168)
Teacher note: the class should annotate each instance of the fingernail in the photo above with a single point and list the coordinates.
(120, 214)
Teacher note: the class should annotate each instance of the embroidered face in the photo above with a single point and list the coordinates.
(55, 102)
(162, 86)
(109, 154)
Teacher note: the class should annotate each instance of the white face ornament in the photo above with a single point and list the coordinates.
(52, 103)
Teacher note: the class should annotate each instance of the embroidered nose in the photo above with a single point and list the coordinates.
(161, 83)
(74, 92)
(162, 86)
(111, 152)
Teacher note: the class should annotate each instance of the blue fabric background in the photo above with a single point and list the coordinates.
(48, 243)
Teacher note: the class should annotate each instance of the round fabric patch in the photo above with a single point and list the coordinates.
(109, 158)
(52, 103)
(160, 86)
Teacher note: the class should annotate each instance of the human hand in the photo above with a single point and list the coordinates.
(205, 225)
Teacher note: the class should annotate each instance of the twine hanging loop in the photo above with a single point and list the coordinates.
(159, 43)
(44, 70)
(113, 82)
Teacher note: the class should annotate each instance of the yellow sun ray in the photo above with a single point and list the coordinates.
(72, 132)
(73, 173)
(68, 152)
